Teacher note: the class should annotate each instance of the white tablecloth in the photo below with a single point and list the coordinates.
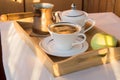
(20, 62)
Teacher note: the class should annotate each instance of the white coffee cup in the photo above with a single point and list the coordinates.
(65, 34)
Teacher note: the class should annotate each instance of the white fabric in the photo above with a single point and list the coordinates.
(107, 22)
(20, 63)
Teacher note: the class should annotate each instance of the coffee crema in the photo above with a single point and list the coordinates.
(64, 29)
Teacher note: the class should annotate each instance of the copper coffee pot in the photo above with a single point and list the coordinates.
(42, 17)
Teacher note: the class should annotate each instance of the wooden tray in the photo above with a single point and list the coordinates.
(59, 66)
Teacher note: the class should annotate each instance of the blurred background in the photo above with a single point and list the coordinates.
(90, 6)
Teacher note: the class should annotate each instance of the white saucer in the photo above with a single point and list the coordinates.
(47, 44)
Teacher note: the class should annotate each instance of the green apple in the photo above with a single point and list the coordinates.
(101, 40)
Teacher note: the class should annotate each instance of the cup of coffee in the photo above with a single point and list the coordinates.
(65, 34)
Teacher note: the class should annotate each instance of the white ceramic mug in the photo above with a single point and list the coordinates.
(65, 34)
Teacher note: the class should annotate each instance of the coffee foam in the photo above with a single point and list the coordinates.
(64, 29)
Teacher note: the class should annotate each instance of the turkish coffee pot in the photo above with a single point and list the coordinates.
(42, 17)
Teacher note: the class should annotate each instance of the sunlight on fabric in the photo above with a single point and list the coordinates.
(13, 41)
(35, 1)
(39, 72)
(36, 71)
(21, 56)
(102, 52)
(115, 65)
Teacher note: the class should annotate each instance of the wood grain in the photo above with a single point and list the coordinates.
(102, 5)
(11, 6)
(91, 5)
(117, 7)
(59, 5)
(110, 5)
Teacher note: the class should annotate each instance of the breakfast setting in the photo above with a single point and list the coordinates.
(67, 44)
(67, 33)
